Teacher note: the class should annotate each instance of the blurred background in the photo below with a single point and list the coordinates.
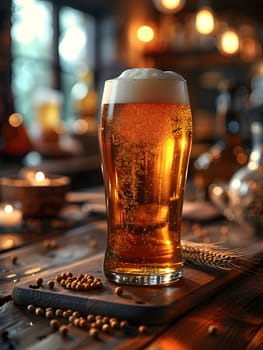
(56, 54)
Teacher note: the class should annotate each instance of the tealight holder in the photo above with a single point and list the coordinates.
(40, 196)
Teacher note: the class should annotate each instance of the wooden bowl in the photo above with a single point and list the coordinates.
(37, 201)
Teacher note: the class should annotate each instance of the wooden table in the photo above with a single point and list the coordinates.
(208, 309)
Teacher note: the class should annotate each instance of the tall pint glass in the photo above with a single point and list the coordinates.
(145, 140)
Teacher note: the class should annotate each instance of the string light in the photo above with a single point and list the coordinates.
(145, 33)
(229, 42)
(169, 6)
(204, 21)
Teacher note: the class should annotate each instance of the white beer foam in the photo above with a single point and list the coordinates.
(146, 85)
(149, 73)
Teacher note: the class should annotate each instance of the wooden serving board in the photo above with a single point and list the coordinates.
(152, 305)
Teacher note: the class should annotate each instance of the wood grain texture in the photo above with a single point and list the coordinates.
(236, 314)
(35, 258)
(26, 331)
(179, 315)
(153, 305)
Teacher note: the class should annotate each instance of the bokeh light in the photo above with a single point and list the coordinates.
(145, 33)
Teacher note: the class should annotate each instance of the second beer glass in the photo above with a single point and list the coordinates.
(145, 140)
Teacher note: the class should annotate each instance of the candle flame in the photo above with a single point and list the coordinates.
(8, 209)
(39, 176)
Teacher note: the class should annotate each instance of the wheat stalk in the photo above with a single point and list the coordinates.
(217, 257)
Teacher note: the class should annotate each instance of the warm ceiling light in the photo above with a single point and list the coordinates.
(204, 21)
(229, 42)
(145, 34)
(15, 120)
(250, 49)
(169, 6)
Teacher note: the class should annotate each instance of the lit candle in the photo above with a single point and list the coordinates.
(10, 216)
(38, 178)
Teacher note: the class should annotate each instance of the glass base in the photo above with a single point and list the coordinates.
(144, 280)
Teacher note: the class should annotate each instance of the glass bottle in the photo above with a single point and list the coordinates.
(228, 154)
(242, 199)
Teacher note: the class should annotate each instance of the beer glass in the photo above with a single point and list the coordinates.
(145, 141)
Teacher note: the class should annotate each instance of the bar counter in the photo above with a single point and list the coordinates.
(207, 309)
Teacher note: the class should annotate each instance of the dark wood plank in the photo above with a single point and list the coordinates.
(27, 331)
(31, 332)
(71, 246)
(145, 304)
(75, 244)
(256, 343)
(236, 314)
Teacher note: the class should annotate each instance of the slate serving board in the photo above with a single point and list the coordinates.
(151, 305)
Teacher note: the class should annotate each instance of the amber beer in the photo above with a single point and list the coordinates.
(145, 140)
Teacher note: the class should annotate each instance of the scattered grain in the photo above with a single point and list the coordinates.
(59, 312)
(83, 323)
(105, 319)
(31, 308)
(93, 332)
(99, 323)
(39, 311)
(142, 329)
(118, 291)
(114, 323)
(63, 330)
(123, 324)
(54, 323)
(39, 281)
(105, 328)
(90, 318)
(212, 329)
(80, 282)
(71, 319)
(58, 278)
(50, 284)
(76, 321)
(49, 314)
(14, 259)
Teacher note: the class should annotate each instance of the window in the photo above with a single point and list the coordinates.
(76, 50)
(48, 55)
